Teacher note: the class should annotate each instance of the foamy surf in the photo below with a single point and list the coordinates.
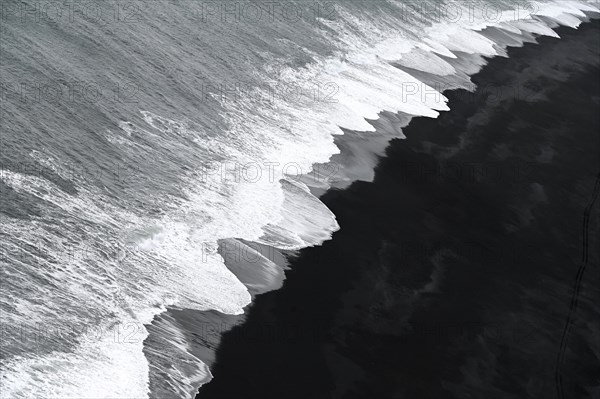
(106, 272)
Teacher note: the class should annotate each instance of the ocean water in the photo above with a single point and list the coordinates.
(144, 140)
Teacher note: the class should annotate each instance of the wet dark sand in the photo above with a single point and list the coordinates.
(452, 274)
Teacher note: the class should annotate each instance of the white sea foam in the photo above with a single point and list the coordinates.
(172, 259)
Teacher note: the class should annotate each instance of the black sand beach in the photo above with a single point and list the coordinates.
(453, 272)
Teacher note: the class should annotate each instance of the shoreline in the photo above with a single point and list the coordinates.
(421, 280)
